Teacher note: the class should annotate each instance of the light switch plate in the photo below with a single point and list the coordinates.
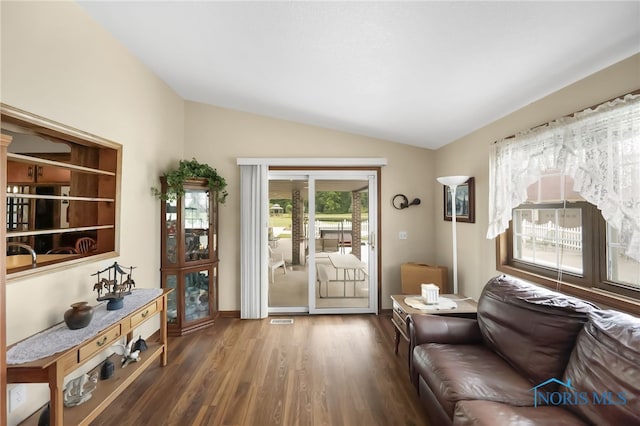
(17, 396)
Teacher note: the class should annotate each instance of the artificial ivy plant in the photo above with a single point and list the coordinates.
(191, 169)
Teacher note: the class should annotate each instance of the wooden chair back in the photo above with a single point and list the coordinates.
(85, 245)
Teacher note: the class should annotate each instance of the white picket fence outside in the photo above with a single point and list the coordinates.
(345, 225)
(549, 233)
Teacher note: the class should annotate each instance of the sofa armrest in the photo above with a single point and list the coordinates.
(442, 329)
(439, 329)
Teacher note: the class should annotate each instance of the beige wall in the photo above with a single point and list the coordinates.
(57, 63)
(219, 136)
(470, 156)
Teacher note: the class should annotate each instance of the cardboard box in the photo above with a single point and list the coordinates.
(412, 275)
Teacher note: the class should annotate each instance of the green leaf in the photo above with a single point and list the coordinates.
(190, 169)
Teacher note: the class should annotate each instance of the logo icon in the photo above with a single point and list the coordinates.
(571, 396)
(551, 380)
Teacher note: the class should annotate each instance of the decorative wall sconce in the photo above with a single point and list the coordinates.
(400, 201)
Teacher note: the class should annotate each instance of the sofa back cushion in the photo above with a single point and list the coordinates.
(605, 368)
(532, 328)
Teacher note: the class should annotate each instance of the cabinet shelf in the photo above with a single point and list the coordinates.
(107, 390)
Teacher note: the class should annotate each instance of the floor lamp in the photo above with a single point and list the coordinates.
(452, 182)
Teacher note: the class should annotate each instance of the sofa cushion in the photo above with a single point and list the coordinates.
(488, 413)
(605, 368)
(533, 328)
(461, 372)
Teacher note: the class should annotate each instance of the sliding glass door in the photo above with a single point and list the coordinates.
(288, 242)
(323, 225)
(342, 260)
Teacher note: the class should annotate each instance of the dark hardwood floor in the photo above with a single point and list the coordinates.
(321, 370)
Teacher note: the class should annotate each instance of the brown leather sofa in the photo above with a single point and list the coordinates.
(532, 357)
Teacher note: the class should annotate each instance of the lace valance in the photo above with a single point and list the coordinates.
(599, 148)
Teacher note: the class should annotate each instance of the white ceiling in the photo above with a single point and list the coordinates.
(419, 73)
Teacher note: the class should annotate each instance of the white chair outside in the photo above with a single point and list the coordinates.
(276, 262)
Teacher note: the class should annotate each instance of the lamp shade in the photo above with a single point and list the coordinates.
(453, 180)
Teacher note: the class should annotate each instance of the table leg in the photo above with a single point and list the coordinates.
(163, 332)
(344, 282)
(397, 342)
(56, 404)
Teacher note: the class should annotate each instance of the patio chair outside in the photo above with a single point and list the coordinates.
(276, 262)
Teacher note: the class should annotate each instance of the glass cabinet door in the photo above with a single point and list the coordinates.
(196, 295)
(171, 227)
(196, 224)
(171, 281)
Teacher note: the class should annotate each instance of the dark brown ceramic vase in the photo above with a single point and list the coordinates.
(79, 316)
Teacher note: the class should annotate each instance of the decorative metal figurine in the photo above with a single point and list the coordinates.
(79, 389)
(129, 354)
(115, 288)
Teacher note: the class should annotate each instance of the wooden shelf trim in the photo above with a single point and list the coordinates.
(57, 231)
(59, 197)
(5, 140)
(44, 162)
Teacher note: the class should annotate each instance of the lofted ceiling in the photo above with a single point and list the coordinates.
(418, 73)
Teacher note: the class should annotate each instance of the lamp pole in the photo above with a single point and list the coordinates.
(453, 189)
(452, 182)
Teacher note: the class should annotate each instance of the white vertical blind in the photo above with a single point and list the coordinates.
(254, 288)
(599, 148)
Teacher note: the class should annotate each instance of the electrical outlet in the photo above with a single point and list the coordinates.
(402, 235)
(17, 396)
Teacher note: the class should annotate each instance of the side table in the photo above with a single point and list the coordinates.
(466, 307)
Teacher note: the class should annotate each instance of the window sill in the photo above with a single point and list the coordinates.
(602, 298)
(57, 267)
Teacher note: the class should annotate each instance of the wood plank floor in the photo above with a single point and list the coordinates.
(321, 370)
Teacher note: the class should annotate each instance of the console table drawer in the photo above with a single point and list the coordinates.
(399, 312)
(99, 343)
(400, 322)
(144, 314)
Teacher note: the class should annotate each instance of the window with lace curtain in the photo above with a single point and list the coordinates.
(557, 234)
(564, 202)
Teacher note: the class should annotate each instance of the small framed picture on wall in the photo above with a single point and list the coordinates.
(465, 202)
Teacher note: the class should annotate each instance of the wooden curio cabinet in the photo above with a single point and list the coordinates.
(190, 257)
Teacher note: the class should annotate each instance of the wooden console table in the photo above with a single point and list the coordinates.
(54, 368)
(466, 307)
